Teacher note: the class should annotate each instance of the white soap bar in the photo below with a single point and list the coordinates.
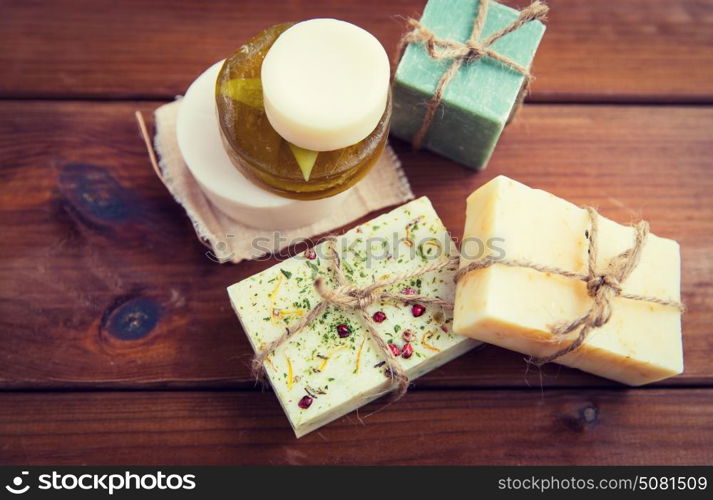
(325, 84)
(198, 136)
(515, 307)
(345, 373)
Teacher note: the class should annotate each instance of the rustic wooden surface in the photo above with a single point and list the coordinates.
(620, 118)
(644, 50)
(427, 427)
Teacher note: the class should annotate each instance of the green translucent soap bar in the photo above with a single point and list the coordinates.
(479, 99)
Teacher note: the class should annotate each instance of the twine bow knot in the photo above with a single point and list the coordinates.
(602, 288)
(348, 295)
(601, 282)
(466, 52)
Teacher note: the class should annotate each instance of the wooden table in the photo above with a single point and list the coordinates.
(620, 117)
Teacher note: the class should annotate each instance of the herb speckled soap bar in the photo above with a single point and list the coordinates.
(335, 374)
(478, 101)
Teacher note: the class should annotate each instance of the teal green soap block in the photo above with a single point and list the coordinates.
(479, 99)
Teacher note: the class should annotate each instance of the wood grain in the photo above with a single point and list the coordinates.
(103, 283)
(605, 427)
(107, 298)
(629, 50)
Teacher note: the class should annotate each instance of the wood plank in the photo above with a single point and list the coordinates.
(563, 427)
(103, 283)
(645, 50)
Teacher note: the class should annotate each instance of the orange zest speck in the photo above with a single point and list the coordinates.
(408, 240)
(424, 342)
(328, 357)
(358, 358)
(290, 377)
(290, 312)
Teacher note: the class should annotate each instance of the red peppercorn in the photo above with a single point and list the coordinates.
(379, 316)
(305, 402)
(310, 254)
(343, 330)
(407, 351)
(417, 310)
(444, 328)
(395, 350)
(408, 291)
(408, 336)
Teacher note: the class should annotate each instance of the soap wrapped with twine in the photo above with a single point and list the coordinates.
(348, 296)
(601, 287)
(460, 53)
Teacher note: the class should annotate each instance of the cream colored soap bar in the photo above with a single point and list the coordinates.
(341, 373)
(514, 307)
(325, 84)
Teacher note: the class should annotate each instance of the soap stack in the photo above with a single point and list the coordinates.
(273, 136)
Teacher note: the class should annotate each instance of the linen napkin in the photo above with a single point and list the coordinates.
(230, 241)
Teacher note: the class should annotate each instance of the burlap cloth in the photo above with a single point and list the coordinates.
(231, 241)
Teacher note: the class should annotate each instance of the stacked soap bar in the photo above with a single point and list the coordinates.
(330, 367)
(516, 307)
(479, 99)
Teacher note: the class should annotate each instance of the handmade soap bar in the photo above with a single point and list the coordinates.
(516, 307)
(479, 99)
(331, 366)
